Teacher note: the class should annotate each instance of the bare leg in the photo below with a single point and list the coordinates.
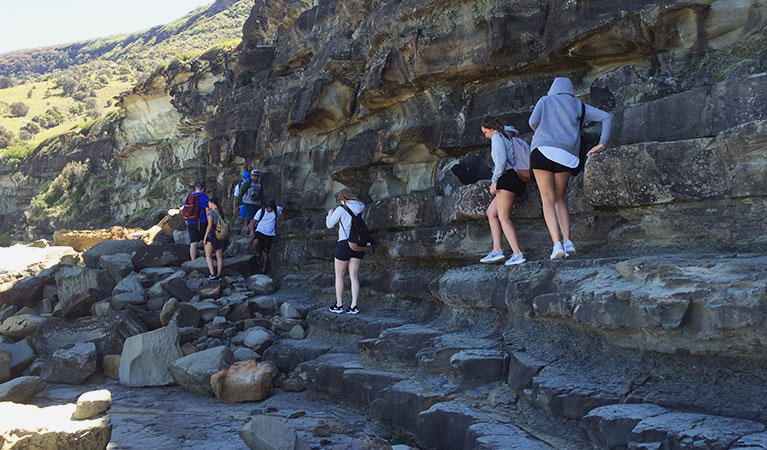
(209, 257)
(495, 225)
(505, 200)
(192, 250)
(265, 256)
(219, 261)
(251, 229)
(560, 203)
(340, 267)
(545, 180)
(354, 267)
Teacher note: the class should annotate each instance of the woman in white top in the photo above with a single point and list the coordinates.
(506, 186)
(345, 257)
(557, 119)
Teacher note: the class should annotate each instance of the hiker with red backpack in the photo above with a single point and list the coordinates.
(353, 240)
(194, 211)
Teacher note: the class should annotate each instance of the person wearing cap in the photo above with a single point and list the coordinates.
(250, 197)
(196, 228)
(265, 231)
(237, 199)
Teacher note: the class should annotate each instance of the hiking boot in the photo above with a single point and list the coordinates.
(353, 310)
(336, 309)
(569, 248)
(558, 252)
(518, 258)
(492, 257)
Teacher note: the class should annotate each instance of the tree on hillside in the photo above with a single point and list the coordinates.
(67, 83)
(52, 117)
(6, 82)
(19, 109)
(6, 137)
(31, 128)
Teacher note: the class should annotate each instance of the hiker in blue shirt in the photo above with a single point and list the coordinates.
(194, 211)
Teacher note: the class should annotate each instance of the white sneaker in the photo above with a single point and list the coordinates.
(492, 257)
(569, 248)
(518, 258)
(558, 251)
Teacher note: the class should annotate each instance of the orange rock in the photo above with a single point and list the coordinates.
(245, 381)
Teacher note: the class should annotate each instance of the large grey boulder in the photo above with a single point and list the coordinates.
(268, 433)
(186, 316)
(145, 358)
(160, 255)
(71, 280)
(25, 292)
(22, 354)
(256, 338)
(21, 325)
(177, 287)
(679, 430)
(609, 427)
(170, 307)
(119, 265)
(93, 255)
(107, 332)
(193, 372)
(21, 389)
(72, 365)
(79, 305)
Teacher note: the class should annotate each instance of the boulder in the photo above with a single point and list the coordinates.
(7, 311)
(93, 404)
(108, 332)
(479, 364)
(269, 433)
(681, 430)
(168, 309)
(186, 316)
(22, 325)
(111, 366)
(193, 372)
(79, 305)
(609, 427)
(211, 289)
(21, 389)
(52, 427)
(208, 310)
(160, 255)
(72, 365)
(243, 265)
(178, 288)
(72, 280)
(154, 275)
(5, 365)
(22, 355)
(256, 338)
(297, 332)
(93, 255)
(145, 357)
(119, 265)
(245, 381)
(25, 292)
(289, 311)
(244, 353)
(261, 284)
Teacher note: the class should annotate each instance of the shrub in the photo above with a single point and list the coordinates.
(5, 109)
(53, 117)
(68, 84)
(70, 178)
(19, 109)
(6, 82)
(31, 128)
(25, 135)
(6, 137)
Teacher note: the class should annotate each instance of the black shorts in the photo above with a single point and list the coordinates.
(196, 231)
(344, 253)
(540, 162)
(510, 181)
(215, 242)
(264, 241)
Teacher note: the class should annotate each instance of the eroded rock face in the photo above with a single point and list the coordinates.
(28, 426)
(145, 357)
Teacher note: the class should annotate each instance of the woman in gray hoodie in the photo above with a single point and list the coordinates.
(556, 120)
(345, 258)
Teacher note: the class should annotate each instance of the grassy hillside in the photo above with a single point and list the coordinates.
(67, 85)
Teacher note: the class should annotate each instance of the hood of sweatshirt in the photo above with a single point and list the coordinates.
(512, 129)
(561, 85)
(355, 206)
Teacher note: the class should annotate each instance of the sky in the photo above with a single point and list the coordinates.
(41, 23)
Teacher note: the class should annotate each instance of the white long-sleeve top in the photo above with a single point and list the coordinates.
(340, 215)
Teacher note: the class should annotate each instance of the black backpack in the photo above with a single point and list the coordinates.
(359, 236)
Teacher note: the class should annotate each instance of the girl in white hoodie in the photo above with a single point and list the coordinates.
(345, 257)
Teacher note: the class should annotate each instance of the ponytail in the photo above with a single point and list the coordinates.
(493, 123)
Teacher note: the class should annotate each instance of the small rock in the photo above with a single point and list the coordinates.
(168, 309)
(118, 265)
(265, 303)
(111, 366)
(297, 332)
(187, 349)
(244, 354)
(257, 338)
(261, 284)
(186, 316)
(93, 404)
(72, 365)
(210, 290)
(101, 309)
(21, 389)
(178, 288)
(244, 381)
(193, 372)
(289, 311)
(79, 305)
(293, 384)
(22, 355)
(268, 433)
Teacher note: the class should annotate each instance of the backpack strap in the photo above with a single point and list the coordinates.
(583, 114)
(348, 210)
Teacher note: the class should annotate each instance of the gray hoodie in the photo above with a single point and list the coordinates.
(504, 156)
(556, 119)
